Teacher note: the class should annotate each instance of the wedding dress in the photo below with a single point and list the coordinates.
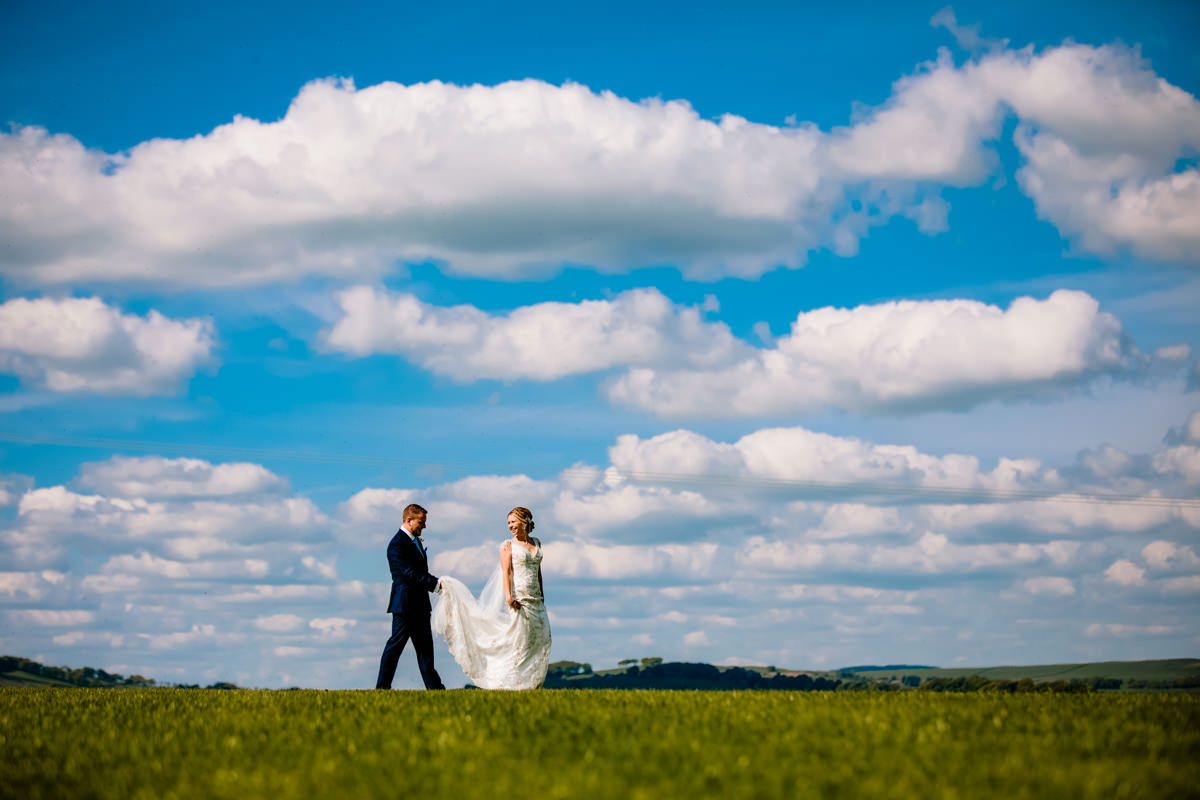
(496, 646)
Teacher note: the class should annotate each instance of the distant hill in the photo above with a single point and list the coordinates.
(653, 673)
(1162, 671)
(17, 671)
(889, 667)
(656, 674)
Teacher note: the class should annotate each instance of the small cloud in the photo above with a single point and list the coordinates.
(1168, 555)
(1189, 584)
(81, 345)
(332, 625)
(278, 623)
(1125, 573)
(1060, 587)
(967, 36)
(763, 331)
(893, 609)
(53, 618)
(696, 639)
(1174, 352)
(68, 639)
(1125, 631)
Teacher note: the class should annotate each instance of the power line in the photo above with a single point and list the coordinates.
(963, 494)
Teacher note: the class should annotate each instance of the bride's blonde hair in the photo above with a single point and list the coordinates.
(525, 515)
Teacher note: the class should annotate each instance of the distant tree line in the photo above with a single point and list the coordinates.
(1183, 682)
(91, 678)
(81, 676)
(977, 683)
(653, 673)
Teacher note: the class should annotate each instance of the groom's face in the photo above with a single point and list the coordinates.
(415, 524)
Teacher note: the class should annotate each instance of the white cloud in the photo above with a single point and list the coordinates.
(897, 356)
(1174, 352)
(1123, 631)
(931, 129)
(542, 342)
(458, 511)
(1182, 461)
(120, 569)
(930, 554)
(12, 487)
(52, 618)
(1125, 573)
(155, 477)
(1101, 134)
(520, 178)
(198, 633)
(1060, 587)
(967, 36)
(799, 454)
(496, 181)
(675, 533)
(190, 527)
(581, 560)
(111, 584)
(1164, 555)
(82, 345)
(633, 513)
(1192, 429)
(1099, 131)
(332, 626)
(323, 569)
(278, 623)
(893, 609)
(30, 586)
(1188, 584)
(696, 639)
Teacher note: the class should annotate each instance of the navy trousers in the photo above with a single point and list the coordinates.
(422, 638)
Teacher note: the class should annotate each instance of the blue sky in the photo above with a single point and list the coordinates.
(812, 337)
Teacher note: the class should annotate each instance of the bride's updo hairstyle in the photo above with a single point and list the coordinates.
(525, 515)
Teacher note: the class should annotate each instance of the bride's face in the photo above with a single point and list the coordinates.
(515, 525)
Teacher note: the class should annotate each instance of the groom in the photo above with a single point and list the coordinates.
(409, 602)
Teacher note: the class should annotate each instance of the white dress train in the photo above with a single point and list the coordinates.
(496, 646)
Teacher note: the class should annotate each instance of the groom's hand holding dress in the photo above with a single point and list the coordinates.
(409, 602)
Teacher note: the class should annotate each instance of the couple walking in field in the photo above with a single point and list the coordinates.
(501, 640)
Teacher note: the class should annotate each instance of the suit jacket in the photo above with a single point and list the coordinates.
(411, 581)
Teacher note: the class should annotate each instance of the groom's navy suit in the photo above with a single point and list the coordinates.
(410, 609)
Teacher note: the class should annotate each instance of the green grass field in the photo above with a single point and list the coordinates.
(152, 743)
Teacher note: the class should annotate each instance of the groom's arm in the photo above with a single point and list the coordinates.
(405, 568)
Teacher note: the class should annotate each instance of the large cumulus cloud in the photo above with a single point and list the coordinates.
(883, 358)
(520, 178)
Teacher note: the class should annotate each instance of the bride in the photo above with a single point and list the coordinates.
(501, 640)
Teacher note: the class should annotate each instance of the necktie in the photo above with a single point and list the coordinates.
(420, 547)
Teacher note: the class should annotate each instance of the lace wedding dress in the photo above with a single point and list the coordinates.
(496, 646)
